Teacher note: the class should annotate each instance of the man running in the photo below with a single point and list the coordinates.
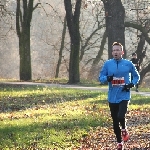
(117, 72)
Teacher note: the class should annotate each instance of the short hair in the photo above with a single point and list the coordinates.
(117, 43)
(133, 54)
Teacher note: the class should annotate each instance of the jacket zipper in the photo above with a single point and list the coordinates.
(117, 66)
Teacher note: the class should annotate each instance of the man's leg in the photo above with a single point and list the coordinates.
(114, 108)
(123, 106)
(136, 87)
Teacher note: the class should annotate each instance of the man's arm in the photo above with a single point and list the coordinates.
(135, 75)
(103, 74)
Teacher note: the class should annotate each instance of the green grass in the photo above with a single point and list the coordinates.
(36, 117)
(47, 117)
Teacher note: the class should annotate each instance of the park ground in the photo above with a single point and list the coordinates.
(102, 138)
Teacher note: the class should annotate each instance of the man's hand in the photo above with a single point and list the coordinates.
(110, 78)
(130, 85)
(127, 87)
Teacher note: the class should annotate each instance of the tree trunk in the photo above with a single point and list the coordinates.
(25, 58)
(140, 48)
(23, 23)
(61, 49)
(115, 14)
(73, 27)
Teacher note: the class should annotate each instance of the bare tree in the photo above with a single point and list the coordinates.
(61, 48)
(141, 51)
(23, 23)
(73, 26)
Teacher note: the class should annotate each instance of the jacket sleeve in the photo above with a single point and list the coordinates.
(135, 75)
(103, 73)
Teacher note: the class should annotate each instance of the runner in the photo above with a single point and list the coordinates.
(117, 72)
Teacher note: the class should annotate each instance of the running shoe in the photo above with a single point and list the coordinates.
(125, 135)
(119, 146)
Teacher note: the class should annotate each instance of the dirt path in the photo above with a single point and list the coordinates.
(70, 86)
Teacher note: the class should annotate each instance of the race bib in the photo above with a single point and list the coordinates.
(118, 81)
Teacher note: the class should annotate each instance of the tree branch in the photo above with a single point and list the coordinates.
(140, 28)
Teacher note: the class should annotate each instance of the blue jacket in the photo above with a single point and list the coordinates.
(121, 71)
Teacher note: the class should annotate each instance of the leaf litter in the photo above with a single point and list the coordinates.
(103, 138)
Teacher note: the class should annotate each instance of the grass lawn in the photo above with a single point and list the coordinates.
(36, 117)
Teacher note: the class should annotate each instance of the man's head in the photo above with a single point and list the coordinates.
(134, 55)
(117, 50)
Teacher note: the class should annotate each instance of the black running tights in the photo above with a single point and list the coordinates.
(118, 112)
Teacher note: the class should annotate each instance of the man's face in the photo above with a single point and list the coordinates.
(117, 52)
(134, 56)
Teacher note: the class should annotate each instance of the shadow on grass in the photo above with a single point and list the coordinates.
(140, 100)
(66, 130)
(34, 135)
(56, 95)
